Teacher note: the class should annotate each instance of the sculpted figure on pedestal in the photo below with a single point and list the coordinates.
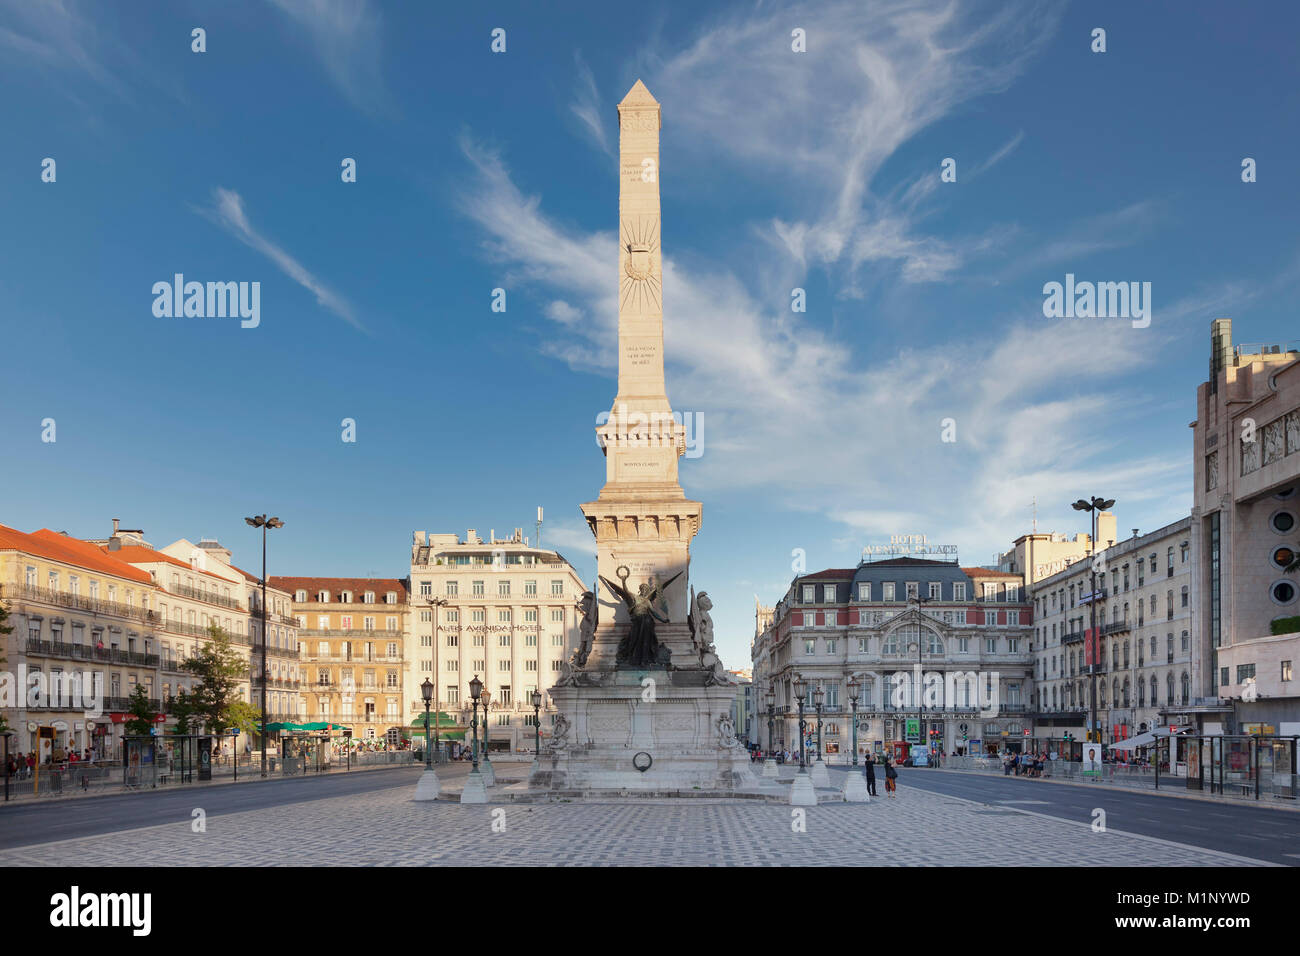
(559, 734)
(640, 648)
(727, 732)
(702, 629)
(588, 608)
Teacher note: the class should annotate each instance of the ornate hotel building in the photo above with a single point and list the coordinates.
(1246, 523)
(1148, 666)
(352, 635)
(969, 629)
(498, 609)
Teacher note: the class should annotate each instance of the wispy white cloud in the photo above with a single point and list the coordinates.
(587, 107)
(227, 211)
(347, 37)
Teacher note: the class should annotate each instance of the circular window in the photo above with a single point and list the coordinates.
(1282, 522)
(1285, 493)
(1282, 592)
(1282, 557)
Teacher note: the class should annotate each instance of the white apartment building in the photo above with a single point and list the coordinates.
(1148, 664)
(499, 610)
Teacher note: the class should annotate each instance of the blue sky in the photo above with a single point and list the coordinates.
(476, 170)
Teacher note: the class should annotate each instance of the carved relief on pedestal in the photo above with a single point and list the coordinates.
(640, 284)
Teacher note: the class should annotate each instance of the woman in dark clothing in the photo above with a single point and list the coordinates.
(871, 775)
(891, 779)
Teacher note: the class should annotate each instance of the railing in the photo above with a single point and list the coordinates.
(307, 632)
(210, 597)
(88, 652)
(1074, 637)
(94, 605)
(1116, 628)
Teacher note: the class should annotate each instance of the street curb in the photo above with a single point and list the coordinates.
(196, 786)
(1261, 805)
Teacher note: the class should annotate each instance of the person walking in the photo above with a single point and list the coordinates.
(891, 779)
(871, 775)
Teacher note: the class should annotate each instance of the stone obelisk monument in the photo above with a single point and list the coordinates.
(645, 703)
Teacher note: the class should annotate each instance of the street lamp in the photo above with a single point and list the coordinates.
(818, 696)
(475, 689)
(1096, 506)
(434, 604)
(769, 764)
(489, 772)
(537, 724)
(426, 691)
(475, 791)
(923, 736)
(428, 786)
(853, 703)
(800, 690)
(265, 523)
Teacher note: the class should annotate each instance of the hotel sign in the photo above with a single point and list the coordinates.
(909, 544)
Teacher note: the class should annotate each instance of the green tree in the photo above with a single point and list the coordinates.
(182, 709)
(140, 716)
(214, 699)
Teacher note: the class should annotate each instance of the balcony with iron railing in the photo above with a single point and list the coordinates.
(80, 602)
(88, 652)
(209, 597)
(306, 633)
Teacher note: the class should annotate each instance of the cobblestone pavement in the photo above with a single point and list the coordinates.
(388, 828)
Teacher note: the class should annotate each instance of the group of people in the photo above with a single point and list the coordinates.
(891, 775)
(1024, 765)
(23, 766)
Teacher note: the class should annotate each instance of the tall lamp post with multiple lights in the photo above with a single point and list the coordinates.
(1096, 506)
(769, 762)
(923, 733)
(820, 775)
(434, 604)
(265, 523)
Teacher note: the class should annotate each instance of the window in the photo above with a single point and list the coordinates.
(936, 590)
(887, 589)
(453, 616)
(862, 645)
(557, 588)
(1013, 645)
(530, 588)
(503, 640)
(503, 589)
(530, 615)
(913, 590)
(809, 594)
(368, 597)
(453, 640)
(505, 666)
(990, 645)
(891, 644)
(390, 597)
(832, 619)
(864, 590)
(1244, 673)
(478, 615)
(557, 614)
(503, 616)
(959, 591)
(478, 589)
(1286, 670)
(830, 645)
(990, 618)
(1013, 617)
(810, 646)
(426, 589)
(453, 589)
(1223, 675)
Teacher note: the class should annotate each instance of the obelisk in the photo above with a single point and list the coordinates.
(642, 520)
(654, 719)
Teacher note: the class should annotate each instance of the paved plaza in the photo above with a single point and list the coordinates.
(386, 827)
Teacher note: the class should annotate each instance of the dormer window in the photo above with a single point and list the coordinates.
(323, 597)
(369, 597)
(345, 597)
(390, 597)
(300, 597)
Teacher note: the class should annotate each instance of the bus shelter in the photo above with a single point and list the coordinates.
(304, 751)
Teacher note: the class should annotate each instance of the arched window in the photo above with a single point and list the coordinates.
(1142, 692)
(1186, 688)
(891, 643)
(1169, 649)
(1114, 691)
(1169, 688)
(1053, 698)
(1126, 691)
(1101, 695)
(1126, 657)
(1155, 690)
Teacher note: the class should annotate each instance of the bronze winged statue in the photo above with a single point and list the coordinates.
(639, 648)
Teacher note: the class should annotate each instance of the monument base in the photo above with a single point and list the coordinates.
(644, 730)
(429, 786)
(769, 768)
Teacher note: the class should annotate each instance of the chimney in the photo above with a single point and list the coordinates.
(1106, 531)
(1135, 532)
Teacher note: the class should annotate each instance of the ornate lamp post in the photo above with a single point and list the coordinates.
(428, 786)
(769, 763)
(802, 793)
(853, 703)
(1096, 506)
(475, 791)
(265, 523)
(818, 697)
(489, 772)
(800, 690)
(537, 725)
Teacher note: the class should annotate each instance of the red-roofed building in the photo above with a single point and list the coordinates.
(86, 634)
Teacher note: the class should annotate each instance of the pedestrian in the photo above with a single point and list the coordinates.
(871, 775)
(891, 779)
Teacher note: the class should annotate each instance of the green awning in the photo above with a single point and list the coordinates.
(303, 728)
(439, 719)
(442, 734)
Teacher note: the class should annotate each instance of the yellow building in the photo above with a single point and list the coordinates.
(86, 634)
(351, 633)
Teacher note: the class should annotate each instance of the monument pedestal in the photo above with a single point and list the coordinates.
(769, 768)
(475, 791)
(820, 775)
(855, 788)
(489, 774)
(429, 786)
(671, 727)
(802, 793)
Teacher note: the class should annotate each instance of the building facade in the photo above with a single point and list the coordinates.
(1246, 517)
(352, 637)
(86, 631)
(499, 610)
(940, 654)
(1147, 658)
